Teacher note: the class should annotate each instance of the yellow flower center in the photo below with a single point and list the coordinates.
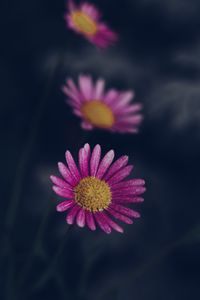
(93, 194)
(98, 114)
(84, 23)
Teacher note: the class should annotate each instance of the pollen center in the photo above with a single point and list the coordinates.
(98, 114)
(93, 194)
(84, 23)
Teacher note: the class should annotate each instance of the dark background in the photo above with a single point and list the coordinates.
(158, 56)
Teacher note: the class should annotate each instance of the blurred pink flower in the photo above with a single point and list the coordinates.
(85, 20)
(111, 110)
(95, 191)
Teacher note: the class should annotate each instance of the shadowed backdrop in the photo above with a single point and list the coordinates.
(158, 56)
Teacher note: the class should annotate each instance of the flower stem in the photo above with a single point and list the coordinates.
(35, 250)
(13, 207)
(52, 266)
(26, 153)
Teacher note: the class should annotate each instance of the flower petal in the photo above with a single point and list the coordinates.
(128, 183)
(116, 166)
(131, 109)
(90, 220)
(90, 10)
(124, 210)
(63, 192)
(135, 191)
(87, 126)
(102, 223)
(65, 205)
(72, 165)
(72, 214)
(119, 216)
(112, 224)
(104, 36)
(71, 5)
(126, 199)
(80, 219)
(86, 86)
(74, 89)
(95, 158)
(105, 164)
(122, 128)
(99, 89)
(71, 95)
(130, 120)
(111, 97)
(123, 100)
(60, 182)
(120, 175)
(66, 174)
(84, 156)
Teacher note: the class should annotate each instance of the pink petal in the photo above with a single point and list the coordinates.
(90, 220)
(77, 112)
(117, 165)
(120, 175)
(74, 105)
(99, 89)
(71, 94)
(102, 223)
(69, 21)
(65, 205)
(63, 192)
(129, 191)
(84, 156)
(60, 182)
(66, 174)
(119, 216)
(112, 224)
(95, 158)
(72, 165)
(72, 86)
(72, 214)
(111, 97)
(86, 86)
(74, 89)
(71, 5)
(124, 128)
(124, 210)
(80, 219)
(105, 163)
(91, 11)
(126, 199)
(104, 37)
(123, 100)
(128, 183)
(87, 126)
(134, 108)
(130, 120)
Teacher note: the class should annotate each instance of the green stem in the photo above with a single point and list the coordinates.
(52, 266)
(36, 247)
(26, 153)
(10, 288)
(20, 175)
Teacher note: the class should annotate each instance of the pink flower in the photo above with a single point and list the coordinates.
(85, 20)
(96, 191)
(111, 110)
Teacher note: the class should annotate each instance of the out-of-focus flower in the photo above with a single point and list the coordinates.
(85, 20)
(96, 192)
(111, 110)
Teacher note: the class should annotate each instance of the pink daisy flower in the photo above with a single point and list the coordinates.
(111, 110)
(85, 20)
(96, 191)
